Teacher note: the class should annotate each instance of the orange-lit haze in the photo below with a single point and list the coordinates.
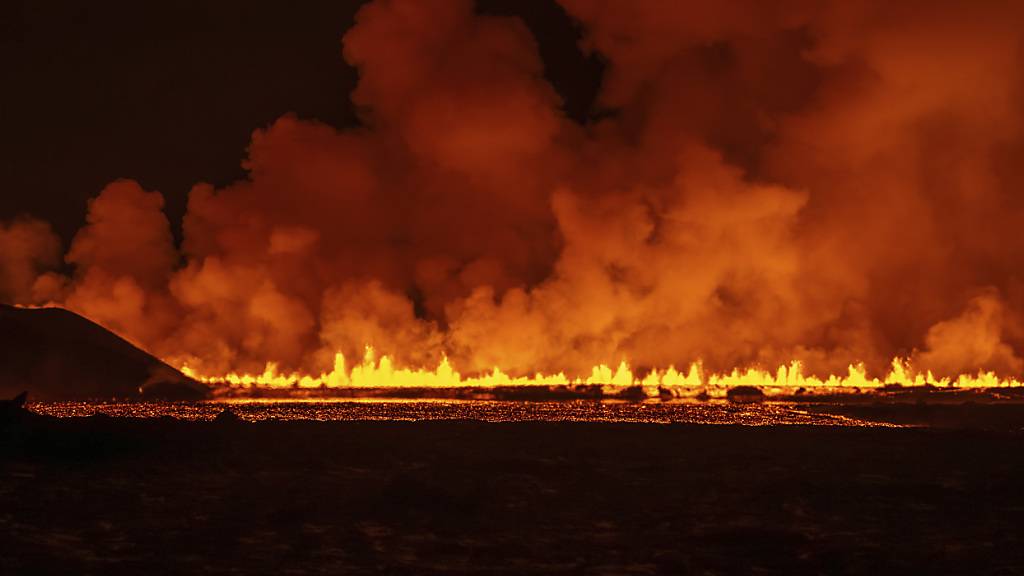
(829, 183)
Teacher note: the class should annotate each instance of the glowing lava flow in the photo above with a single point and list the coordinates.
(373, 372)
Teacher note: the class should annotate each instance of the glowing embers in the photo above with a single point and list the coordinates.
(374, 372)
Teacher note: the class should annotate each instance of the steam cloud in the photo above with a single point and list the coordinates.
(832, 182)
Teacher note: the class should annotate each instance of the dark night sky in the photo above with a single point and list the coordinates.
(168, 93)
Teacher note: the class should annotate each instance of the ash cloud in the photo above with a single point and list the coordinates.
(832, 182)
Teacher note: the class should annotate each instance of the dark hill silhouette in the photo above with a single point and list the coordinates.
(56, 354)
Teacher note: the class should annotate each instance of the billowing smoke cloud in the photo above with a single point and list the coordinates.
(123, 259)
(971, 340)
(27, 249)
(833, 182)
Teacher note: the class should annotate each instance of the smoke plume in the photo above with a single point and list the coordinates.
(831, 182)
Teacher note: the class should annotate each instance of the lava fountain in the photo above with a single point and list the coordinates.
(373, 372)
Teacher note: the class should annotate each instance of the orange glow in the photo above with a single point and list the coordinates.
(807, 181)
(374, 372)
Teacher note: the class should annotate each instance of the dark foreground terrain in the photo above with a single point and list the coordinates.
(119, 496)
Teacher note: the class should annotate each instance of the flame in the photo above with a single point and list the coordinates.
(374, 372)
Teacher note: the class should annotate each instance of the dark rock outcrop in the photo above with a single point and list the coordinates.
(56, 354)
(12, 411)
(744, 394)
(226, 416)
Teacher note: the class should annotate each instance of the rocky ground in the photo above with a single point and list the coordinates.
(119, 496)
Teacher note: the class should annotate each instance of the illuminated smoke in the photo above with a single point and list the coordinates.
(828, 182)
(27, 248)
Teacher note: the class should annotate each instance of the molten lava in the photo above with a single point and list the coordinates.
(380, 373)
